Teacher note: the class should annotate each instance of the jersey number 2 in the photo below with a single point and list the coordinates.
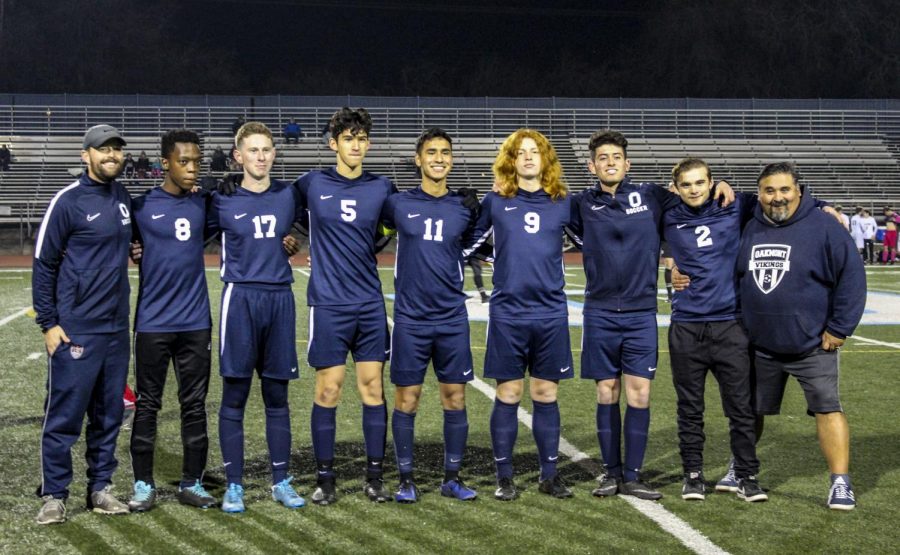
(703, 238)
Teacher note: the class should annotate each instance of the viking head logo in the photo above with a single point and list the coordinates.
(769, 263)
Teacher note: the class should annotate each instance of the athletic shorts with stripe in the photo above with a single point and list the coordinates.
(335, 331)
(445, 345)
(258, 331)
(539, 346)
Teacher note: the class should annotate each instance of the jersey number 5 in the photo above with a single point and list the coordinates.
(348, 212)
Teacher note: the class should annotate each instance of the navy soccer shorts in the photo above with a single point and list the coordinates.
(258, 331)
(619, 344)
(539, 346)
(816, 372)
(446, 345)
(335, 331)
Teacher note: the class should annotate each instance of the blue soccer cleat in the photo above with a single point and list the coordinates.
(285, 494)
(233, 502)
(407, 492)
(458, 490)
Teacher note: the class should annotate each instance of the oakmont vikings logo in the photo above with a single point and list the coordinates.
(769, 263)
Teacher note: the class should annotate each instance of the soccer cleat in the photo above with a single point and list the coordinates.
(285, 494)
(406, 493)
(506, 490)
(375, 490)
(694, 487)
(105, 503)
(233, 502)
(639, 489)
(841, 497)
(456, 488)
(324, 493)
(196, 496)
(749, 490)
(143, 498)
(729, 481)
(607, 486)
(556, 487)
(53, 511)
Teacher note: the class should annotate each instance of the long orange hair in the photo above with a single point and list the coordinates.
(551, 170)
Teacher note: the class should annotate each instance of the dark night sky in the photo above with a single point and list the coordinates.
(639, 48)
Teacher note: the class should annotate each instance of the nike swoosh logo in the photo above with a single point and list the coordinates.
(325, 197)
(563, 370)
(467, 372)
(501, 459)
(94, 217)
(158, 216)
(552, 458)
(279, 463)
(376, 463)
(651, 369)
(226, 464)
(294, 369)
(508, 208)
(679, 226)
(455, 460)
(601, 207)
(323, 472)
(239, 216)
(413, 215)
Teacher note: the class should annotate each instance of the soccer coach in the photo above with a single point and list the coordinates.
(803, 291)
(80, 291)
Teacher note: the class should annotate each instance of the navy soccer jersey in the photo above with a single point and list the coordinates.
(253, 226)
(80, 278)
(172, 296)
(704, 242)
(344, 215)
(428, 276)
(619, 235)
(528, 267)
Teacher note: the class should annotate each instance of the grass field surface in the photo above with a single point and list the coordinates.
(794, 520)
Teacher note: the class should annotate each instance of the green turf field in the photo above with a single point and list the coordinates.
(794, 520)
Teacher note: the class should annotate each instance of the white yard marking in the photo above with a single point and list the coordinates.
(875, 342)
(302, 271)
(683, 532)
(12, 317)
(35, 356)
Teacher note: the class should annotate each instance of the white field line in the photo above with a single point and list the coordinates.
(12, 317)
(875, 342)
(683, 532)
(302, 271)
(34, 356)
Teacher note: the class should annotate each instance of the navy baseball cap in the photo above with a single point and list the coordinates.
(99, 134)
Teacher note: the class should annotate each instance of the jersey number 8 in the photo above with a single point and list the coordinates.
(182, 229)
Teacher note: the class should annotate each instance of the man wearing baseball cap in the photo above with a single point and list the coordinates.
(80, 292)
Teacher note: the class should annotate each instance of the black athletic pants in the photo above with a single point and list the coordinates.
(190, 355)
(475, 264)
(722, 348)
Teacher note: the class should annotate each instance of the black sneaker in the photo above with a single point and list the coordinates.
(324, 493)
(485, 298)
(375, 490)
(639, 489)
(196, 496)
(749, 490)
(556, 487)
(694, 487)
(506, 490)
(607, 486)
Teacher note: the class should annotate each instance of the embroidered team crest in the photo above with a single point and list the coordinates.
(76, 351)
(769, 263)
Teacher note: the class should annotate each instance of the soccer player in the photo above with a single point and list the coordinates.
(619, 223)
(706, 333)
(529, 326)
(258, 320)
(172, 320)
(80, 292)
(430, 319)
(803, 292)
(346, 311)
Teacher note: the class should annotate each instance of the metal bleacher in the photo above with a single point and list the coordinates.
(847, 157)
